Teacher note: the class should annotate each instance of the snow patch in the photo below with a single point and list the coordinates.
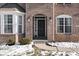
(65, 44)
(15, 50)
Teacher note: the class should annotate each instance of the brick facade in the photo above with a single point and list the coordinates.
(73, 11)
(59, 9)
(5, 38)
(32, 10)
(51, 11)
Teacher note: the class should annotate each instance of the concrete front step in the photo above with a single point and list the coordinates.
(39, 41)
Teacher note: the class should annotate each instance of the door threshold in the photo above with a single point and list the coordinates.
(39, 41)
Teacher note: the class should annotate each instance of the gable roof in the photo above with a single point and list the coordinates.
(13, 5)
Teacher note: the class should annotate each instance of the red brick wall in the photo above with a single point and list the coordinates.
(32, 10)
(5, 38)
(47, 9)
(73, 11)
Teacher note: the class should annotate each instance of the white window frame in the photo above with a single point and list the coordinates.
(21, 24)
(2, 23)
(8, 24)
(14, 23)
(63, 16)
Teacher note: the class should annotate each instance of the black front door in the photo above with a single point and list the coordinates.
(41, 28)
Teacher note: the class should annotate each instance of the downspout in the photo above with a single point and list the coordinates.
(53, 22)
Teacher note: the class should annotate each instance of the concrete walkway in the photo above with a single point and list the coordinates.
(61, 49)
(45, 47)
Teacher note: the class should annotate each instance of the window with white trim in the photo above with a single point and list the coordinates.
(64, 24)
(19, 24)
(8, 24)
(11, 23)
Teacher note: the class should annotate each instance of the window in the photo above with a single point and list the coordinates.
(8, 24)
(60, 25)
(20, 24)
(64, 24)
(11, 23)
(67, 25)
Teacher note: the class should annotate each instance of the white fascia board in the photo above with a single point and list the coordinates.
(11, 12)
(19, 12)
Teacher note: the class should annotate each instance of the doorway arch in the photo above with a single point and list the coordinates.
(39, 26)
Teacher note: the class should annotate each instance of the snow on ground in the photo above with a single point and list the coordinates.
(23, 50)
(62, 45)
(65, 44)
(15, 50)
(60, 54)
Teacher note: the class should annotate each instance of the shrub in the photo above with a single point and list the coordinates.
(10, 42)
(25, 41)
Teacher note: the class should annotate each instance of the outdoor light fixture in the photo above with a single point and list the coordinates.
(28, 19)
(50, 19)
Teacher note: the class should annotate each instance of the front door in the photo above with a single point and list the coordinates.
(39, 27)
